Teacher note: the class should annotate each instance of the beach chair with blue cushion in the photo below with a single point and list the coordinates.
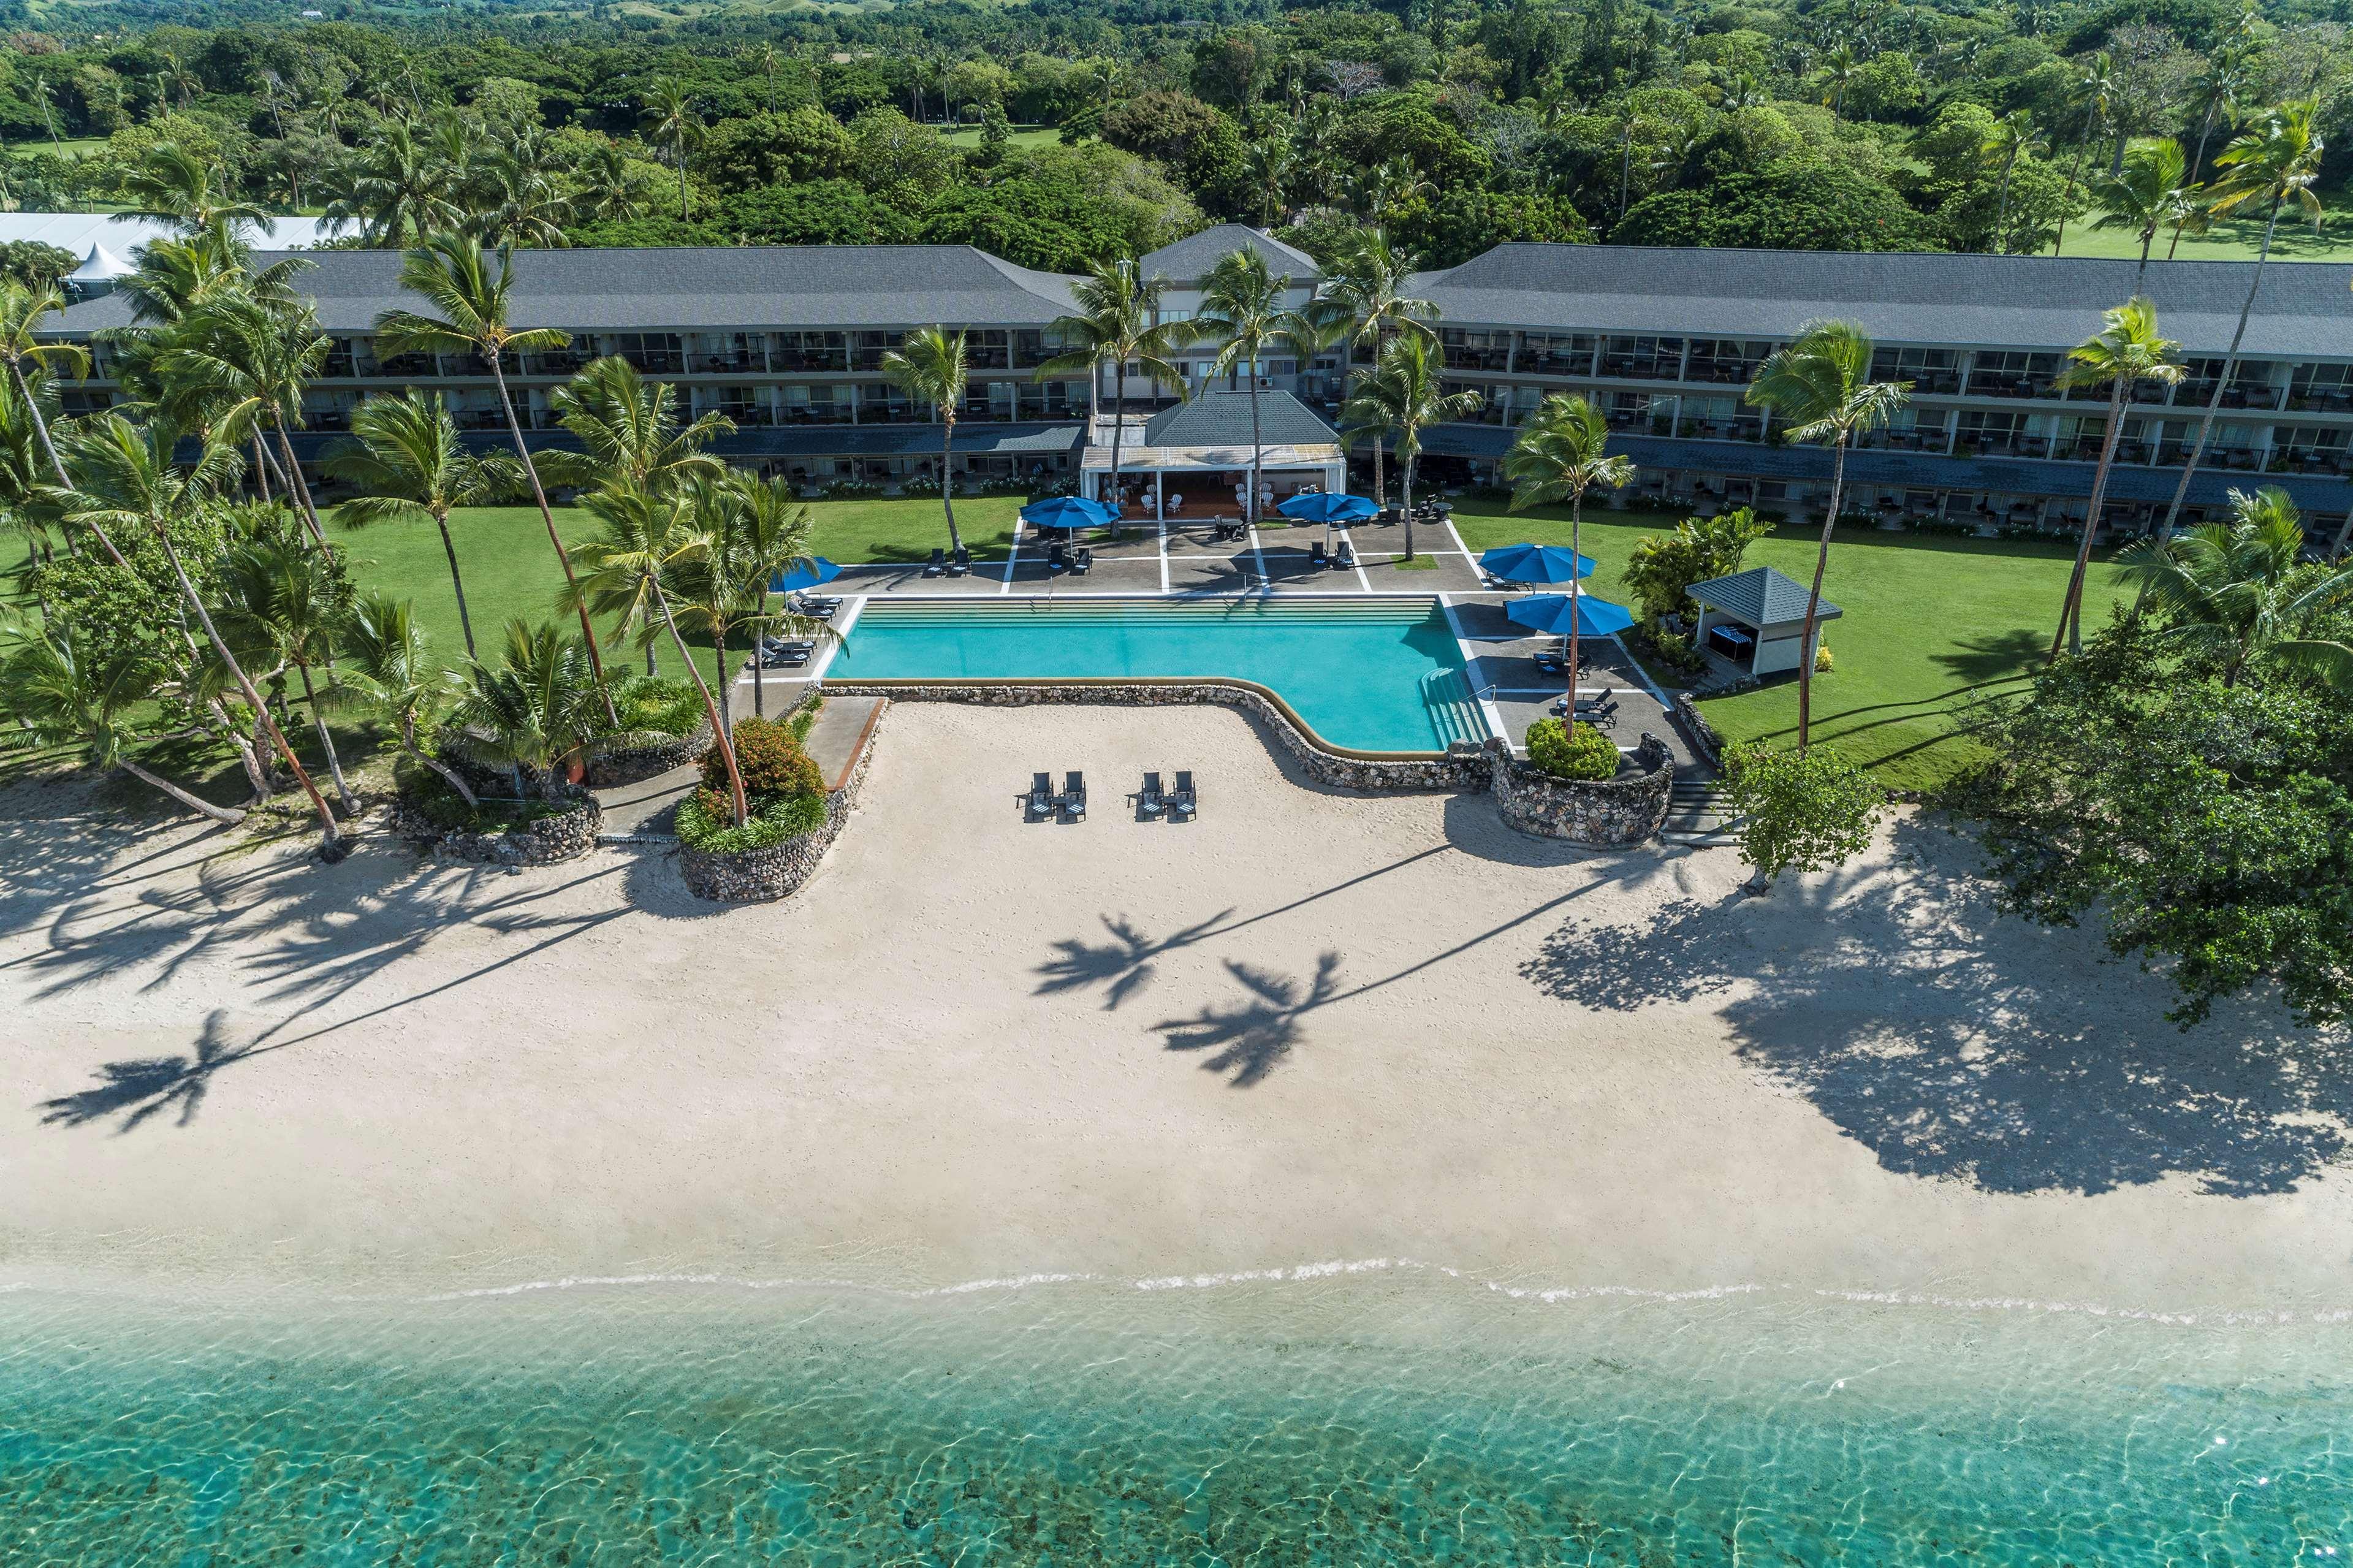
(1182, 801)
(1040, 799)
(1152, 800)
(938, 565)
(1074, 795)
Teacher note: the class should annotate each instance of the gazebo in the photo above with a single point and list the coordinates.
(1756, 620)
(1201, 450)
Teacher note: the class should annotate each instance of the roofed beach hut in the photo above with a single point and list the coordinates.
(1756, 620)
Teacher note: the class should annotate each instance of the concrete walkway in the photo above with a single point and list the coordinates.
(648, 808)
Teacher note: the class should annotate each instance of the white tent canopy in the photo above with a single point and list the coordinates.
(101, 266)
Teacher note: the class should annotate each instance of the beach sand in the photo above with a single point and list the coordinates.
(1308, 1028)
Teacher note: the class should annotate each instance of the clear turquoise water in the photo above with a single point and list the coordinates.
(1333, 1423)
(1372, 674)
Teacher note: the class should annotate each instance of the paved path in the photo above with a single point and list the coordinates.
(839, 733)
(646, 809)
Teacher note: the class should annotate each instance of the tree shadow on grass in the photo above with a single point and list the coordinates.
(1998, 656)
(1963, 1044)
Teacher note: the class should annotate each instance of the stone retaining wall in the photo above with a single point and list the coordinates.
(1704, 738)
(1604, 813)
(777, 871)
(567, 835)
(639, 755)
(1462, 767)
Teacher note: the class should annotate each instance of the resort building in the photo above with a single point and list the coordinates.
(788, 343)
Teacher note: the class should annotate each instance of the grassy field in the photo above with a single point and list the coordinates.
(70, 146)
(2232, 239)
(1932, 625)
(1023, 136)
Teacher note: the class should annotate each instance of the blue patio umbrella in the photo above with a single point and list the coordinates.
(808, 575)
(1535, 563)
(1550, 612)
(1328, 506)
(1068, 512)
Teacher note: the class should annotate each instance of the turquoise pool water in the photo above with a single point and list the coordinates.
(1325, 1422)
(1373, 674)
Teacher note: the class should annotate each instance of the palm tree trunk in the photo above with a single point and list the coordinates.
(538, 494)
(719, 731)
(2223, 382)
(229, 814)
(2001, 207)
(2197, 159)
(721, 685)
(1249, 508)
(255, 775)
(1380, 475)
(457, 583)
(2071, 608)
(1814, 598)
(260, 465)
(1576, 536)
(2060, 239)
(759, 685)
(327, 742)
(331, 848)
(300, 485)
(1118, 425)
(2344, 533)
(1405, 476)
(449, 775)
(681, 151)
(41, 427)
(947, 484)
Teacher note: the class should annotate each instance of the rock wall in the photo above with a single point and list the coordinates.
(1704, 738)
(567, 835)
(777, 871)
(1605, 814)
(635, 754)
(1461, 767)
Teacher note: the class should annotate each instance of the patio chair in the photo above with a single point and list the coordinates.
(1344, 558)
(938, 565)
(1040, 800)
(1058, 557)
(816, 608)
(1552, 662)
(1181, 800)
(1083, 561)
(785, 656)
(1317, 556)
(1151, 800)
(961, 562)
(1074, 794)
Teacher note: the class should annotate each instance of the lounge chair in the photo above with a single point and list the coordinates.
(1058, 557)
(1552, 664)
(938, 565)
(961, 562)
(1082, 562)
(1344, 557)
(817, 609)
(1040, 799)
(1151, 800)
(1181, 800)
(1317, 556)
(1074, 794)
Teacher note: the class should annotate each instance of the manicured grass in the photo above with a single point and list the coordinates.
(2232, 239)
(910, 529)
(1023, 136)
(68, 147)
(1933, 626)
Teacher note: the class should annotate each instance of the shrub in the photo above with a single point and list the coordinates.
(1670, 650)
(1821, 657)
(705, 824)
(1807, 811)
(1581, 752)
(652, 703)
(771, 760)
(851, 489)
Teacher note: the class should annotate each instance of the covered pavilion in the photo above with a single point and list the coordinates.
(1199, 451)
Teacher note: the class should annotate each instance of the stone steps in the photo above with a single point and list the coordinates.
(1697, 817)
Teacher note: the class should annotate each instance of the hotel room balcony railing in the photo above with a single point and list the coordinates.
(1460, 358)
(653, 361)
(989, 357)
(2333, 461)
(2000, 386)
(400, 366)
(1555, 365)
(2323, 399)
(742, 414)
(823, 360)
(817, 414)
(1722, 372)
(554, 362)
(728, 364)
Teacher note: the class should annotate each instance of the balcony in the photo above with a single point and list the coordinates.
(399, 367)
(821, 360)
(817, 414)
(740, 413)
(478, 418)
(1460, 358)
(734, 363)
(652, 361)
(1556, 363)
(327, 418)
(1723, 372)
(554, 362)
(2000, 385)
(2322, 399)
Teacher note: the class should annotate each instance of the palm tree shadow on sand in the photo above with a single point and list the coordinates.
(146, 1087)
(1963, 1044)
(1123, 966)
(1250, 1037)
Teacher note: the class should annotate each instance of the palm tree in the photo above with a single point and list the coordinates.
(1115, 327)
(244, 358)
(770, 537)
(174, 186)
(406, 452)
(2151, 191)
(929, 366)
(2234, 591)
(394, 188)
(388, 667)
(605, 194)
(1839, 69)
(1820, 387)
(452, 274)
(54, 697)
(1404, 391)
(536, 707)
(128, 480)
(22, 308)
(1367, 279)
(2014, 135)
(766, 59)
(670, 118)
(524, 199)
(628, 430)
(2272, 165)
(648, 539)
(280, 598)
(1560, 454)
(2098, 89)
(1242, 305)
(2127, 350)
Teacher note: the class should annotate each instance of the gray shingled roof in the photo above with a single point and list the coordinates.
(1191, 258)
(1220, 419)
(1760, 597)
(2020, 301)
(688, 289)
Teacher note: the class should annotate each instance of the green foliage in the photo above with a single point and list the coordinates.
(30, 262)
(1662, 567)
(1811, 207)
(1806, 811)
(650, 703)
(1566, 752)
(705, 822)
(770, 759)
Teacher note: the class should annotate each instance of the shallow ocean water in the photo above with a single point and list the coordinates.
(1388, 1416)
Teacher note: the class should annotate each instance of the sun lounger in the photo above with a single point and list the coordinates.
(1074, 793)
(1552, 664)
(1181, 800)
(1058, 557)
(1040, 799)
(1151, 800)
(1344, 557)
(816, 608)
(938, 565)
(1317, 556)
(1082, 562)
(961, 562)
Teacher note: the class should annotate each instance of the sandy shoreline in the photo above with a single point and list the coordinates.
(1310, 1027)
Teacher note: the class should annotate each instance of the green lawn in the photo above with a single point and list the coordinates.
(1931, 625)
(1023, 136)
(70, 146)
(2232, 239)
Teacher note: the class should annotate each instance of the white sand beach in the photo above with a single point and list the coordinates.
(1308, 1027)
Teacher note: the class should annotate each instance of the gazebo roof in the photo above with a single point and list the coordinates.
(1760, 597)
(1222, 419)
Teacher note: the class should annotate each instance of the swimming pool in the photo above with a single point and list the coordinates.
(1372, 674)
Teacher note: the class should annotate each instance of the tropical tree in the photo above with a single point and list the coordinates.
(2231, 592)
(388, 667)
(670, 119)
(1820, 386)
(240, 357)
(173, 185)
(2272, 165)
(454, 276)
(53, 696)
(395, 189)
(536, 707)
(1115, 326)
(929, 366)
(22, 309)
(407, 455)
(2149, 192)
(1560, 454)
(770, 537)
(1367, 279)
(1241, 310)
(283, 600)
(628, 430)
(1839, 69)
(128, 480)
(2127, 351)
(1403, 391)
(2096, 90)
(646, 539)
(2014, 135)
